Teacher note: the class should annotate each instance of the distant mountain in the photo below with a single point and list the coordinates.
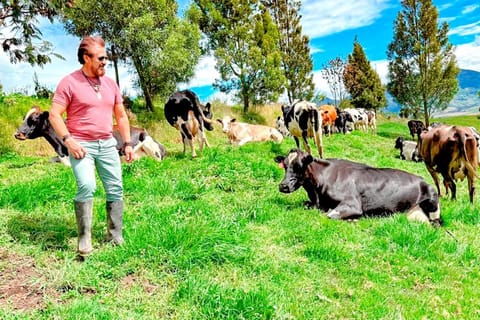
(466, 99)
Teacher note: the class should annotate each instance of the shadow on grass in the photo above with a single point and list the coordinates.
(50, 233)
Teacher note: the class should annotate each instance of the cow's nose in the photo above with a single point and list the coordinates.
(19, 136)
(283, 188)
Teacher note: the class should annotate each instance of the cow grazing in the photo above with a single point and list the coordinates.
(184, 111)
(343, 118)
(415, 127)
(240, 133)
(350, 190)
(303, 120)
(452, 152)
(36, 125)
(408, 149)
(329, 115)
(359, 117)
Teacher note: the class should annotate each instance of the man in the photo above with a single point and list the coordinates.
(90, 99)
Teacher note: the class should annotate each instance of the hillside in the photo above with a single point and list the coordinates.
(466, 100)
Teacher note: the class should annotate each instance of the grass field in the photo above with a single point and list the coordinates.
(213, 238)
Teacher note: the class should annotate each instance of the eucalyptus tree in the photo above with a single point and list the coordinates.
(333, 72)
(19, 31)
(160, 48)
(362, 81)
(297, 64)
(422, 68)
(244, 41)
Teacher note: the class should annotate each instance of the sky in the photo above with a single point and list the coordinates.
(331, 25)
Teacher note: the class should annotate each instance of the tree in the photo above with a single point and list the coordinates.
(18, 30)
(333, 73)
(422, 68)
(244, 41)
(161, 49)
(362, 82)
(297, 63)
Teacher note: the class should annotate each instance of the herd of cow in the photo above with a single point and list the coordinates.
(343, 189)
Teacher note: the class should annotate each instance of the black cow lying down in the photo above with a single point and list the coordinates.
(351, 190)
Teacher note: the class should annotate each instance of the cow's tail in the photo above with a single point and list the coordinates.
(316, 122)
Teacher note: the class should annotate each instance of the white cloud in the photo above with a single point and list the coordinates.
(321, 18)
(466, 29)
(468, 55)
(470, 8)
(205, 73)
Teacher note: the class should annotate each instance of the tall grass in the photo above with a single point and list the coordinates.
(213, 238)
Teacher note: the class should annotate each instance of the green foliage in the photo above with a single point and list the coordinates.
(297, 63)
(422, 68)
(362, 82)
(245, 43)
(21, 17)
(161, 48)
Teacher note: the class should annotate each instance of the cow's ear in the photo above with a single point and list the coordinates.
(280, 161)
(208, 106)
(233, 120)
(220, 120)
(307, 160)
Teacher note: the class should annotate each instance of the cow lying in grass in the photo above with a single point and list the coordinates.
(350, 190)
(240, 133)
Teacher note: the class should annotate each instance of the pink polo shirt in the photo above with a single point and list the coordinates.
(88, 116)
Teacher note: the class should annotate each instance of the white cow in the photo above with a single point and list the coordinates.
(240, 133)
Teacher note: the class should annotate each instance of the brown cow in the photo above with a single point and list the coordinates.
(452, 152)
(329, 115)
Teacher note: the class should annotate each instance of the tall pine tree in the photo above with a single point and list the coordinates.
(362, 82)
(422, 68)
(297, 63)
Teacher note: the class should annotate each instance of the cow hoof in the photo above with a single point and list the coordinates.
(334, 215)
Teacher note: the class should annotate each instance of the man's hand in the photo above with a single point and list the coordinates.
(75, 149)
(129, 153)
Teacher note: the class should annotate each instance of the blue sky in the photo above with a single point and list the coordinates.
(331, 25)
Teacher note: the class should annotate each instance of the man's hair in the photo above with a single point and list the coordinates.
(87, 43)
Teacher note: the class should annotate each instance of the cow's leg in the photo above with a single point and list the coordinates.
(318, 142)
(471, 186)
(349, 209)
(188, 139)
(297, 142)
(434, 175)
(305, 142)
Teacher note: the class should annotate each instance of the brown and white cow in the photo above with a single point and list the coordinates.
(303, 120)
(184, 112)
(329, 115)
(240, 133)
(36, 125)
(452, 152)
(350, 190)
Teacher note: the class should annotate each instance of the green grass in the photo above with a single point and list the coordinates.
(213, 238)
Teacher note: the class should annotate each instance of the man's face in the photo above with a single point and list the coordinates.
(96, 59)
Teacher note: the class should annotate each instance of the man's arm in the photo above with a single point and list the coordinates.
(124, 127)
(56, 120)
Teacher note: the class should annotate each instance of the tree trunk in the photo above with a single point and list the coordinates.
(245, 103)
(115, 65)
(143, 84)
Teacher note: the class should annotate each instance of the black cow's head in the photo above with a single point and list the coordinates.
(34, 125)
(399, 143)
(295, 165)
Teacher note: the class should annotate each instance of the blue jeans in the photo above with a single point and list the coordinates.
(102, 155)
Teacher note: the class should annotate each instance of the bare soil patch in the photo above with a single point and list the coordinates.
(22, 286)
